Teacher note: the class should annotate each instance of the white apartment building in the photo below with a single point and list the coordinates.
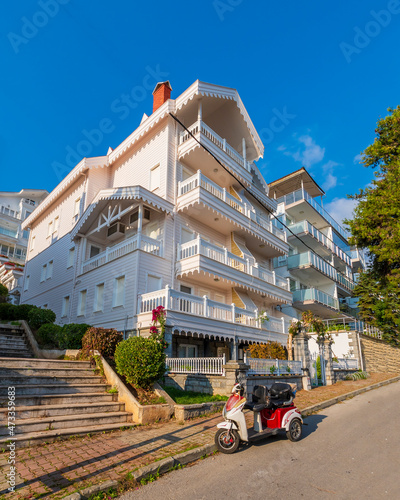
(158, 221)
(321, 264)
(14, 208)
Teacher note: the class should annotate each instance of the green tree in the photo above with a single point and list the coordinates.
(376, 227)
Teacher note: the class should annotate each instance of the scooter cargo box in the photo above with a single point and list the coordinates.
(280, 391)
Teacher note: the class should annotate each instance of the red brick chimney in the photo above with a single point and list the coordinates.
(161, 93)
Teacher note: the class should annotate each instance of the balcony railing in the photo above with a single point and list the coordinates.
(7, 211)
(221, 143)
(200, 246)
(301, 194)
(351, 324)
(272, 366)
(305, 227)
(307, 259)
(127, 246)
(345, 282)
(186, 303)
(8, 232)
(205, 366)
(200, 180)
(313, 294)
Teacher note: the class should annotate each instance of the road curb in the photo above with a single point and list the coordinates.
(330, 402)
(88, 492)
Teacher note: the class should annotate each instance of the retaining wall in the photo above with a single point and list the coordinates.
(379, 356)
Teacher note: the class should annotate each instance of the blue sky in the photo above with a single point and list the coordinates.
(331, 68)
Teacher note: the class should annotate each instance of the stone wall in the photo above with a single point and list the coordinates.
(379, 356)
(342, 374)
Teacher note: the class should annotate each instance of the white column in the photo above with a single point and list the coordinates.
(140, 225)
(200, 111)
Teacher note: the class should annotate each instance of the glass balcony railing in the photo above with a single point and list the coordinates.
(313, 294)
(301, 194)
(305, 227)
(346, 282)
(8, 232)
(309, 259)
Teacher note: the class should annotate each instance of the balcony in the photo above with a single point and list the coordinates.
(203, 258)
(344, 282)
(302, 196)
(10, 213)
(315, 300)
(300, 262)
(358, 259)
(202, 315)
(200, 191)
(314, 237)
(127, 246)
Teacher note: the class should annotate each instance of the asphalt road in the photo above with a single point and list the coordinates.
(348, 451)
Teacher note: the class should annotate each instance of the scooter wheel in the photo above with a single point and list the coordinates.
(295, 428)
(227, 441)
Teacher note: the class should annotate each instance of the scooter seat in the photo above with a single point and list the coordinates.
(255, 406)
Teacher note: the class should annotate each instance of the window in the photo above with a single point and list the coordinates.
(50, 229)
(82, 303)
(65, 306)
(25, 234)
(43, 273)
(293, 284)
(56, 224)
(94, 251)
(119, 291)
(33, 242)
(218, 297)
(71, 254)
(155, 178)
(98, 297)
(26, 283)
(49, 273)
(27, 214)
(187, 351)
(77, 209)
(153, 283)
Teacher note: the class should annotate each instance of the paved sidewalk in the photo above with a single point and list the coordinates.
(58, 469)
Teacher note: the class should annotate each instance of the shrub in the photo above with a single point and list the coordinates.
(104, 340)
(48, 334)
(7, 312)
(23, 311)
(70, 336)
(38, 317)
(141, 360)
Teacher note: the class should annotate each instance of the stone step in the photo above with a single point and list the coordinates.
(18, 380)
(9, 338)
(48, 389)
(36, 438)
(16, 370)
(45, 411)
(43, 363)
(5, 353)
(27, 426)
(61, 399)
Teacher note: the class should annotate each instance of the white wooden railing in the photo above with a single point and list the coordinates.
(186, 303)
(200, 180)
(143, 242)
(272, 366)
(205, 366)
(345, 364)
(212, 136)
(199, 246)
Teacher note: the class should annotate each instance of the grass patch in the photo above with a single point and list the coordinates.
(191, 397)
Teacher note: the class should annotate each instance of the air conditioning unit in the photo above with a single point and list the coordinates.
(133, 219)
(116, 231)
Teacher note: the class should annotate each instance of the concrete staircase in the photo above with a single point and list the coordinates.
(13, 343)
(56, 399)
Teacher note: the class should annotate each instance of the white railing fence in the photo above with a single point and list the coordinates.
(203, 366)
(345, 364)
(272, 366)
(200, 180)
(141, 241)
(174, 300)
(199, 246)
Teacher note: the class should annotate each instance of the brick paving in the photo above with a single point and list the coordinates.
(58, 469)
